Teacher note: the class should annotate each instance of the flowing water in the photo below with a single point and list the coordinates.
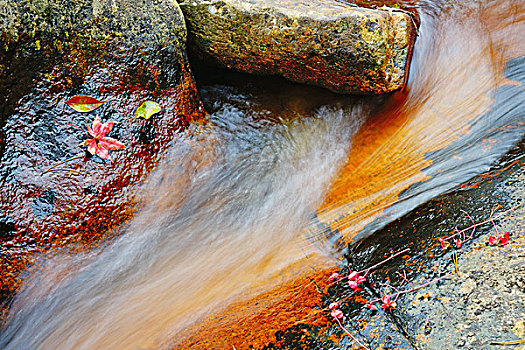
(277, 169)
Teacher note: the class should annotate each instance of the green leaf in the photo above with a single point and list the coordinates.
(84, 104)
(147, 109)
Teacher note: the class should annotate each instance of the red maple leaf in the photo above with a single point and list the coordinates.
(100, 144)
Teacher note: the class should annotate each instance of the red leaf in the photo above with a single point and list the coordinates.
(111, 144)
(84, 104)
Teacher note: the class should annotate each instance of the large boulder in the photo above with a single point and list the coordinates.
(344, 48)
(123, 52)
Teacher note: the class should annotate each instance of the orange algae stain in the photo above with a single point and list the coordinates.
(359, 299)
(499, 171)
(108, 190)
(390, 152)
(253, 322)
(364, 182)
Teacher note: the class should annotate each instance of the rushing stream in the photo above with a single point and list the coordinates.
(236, 203)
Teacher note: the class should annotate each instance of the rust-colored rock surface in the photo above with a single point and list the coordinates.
(327, 43)
(121, 52)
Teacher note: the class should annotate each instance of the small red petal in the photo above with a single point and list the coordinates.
(102, 153)
(353, 276)
(337, 314)
(91, 132)
(111, 144)
(361, 279)
(353, 284)
(106, 128)
(333, 306)
(333, 277)
(458, 243)
(92, 146)
(95, 127)
(371, 307)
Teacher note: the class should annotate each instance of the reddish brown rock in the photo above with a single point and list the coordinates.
(120, 52)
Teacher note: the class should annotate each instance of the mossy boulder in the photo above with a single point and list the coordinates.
(122, 52)
(345, 48)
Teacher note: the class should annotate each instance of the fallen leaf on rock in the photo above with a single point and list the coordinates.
(84, 104)
(100, 144)
(147, 109)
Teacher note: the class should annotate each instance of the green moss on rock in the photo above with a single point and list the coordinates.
(332, 44)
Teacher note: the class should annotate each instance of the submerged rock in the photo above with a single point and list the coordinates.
(118, 51)
(328, 43)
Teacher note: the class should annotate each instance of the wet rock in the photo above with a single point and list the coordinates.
(44, 204)
(119, 51)
(7, 227)
(486, 313)
(519, 329)
(483, 303)
(332, 44)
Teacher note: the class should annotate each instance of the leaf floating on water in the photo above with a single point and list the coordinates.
(147, 109)
(84, 104)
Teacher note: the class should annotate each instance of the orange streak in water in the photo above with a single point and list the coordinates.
(390, 152)
(256, 320)
(388, 155)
